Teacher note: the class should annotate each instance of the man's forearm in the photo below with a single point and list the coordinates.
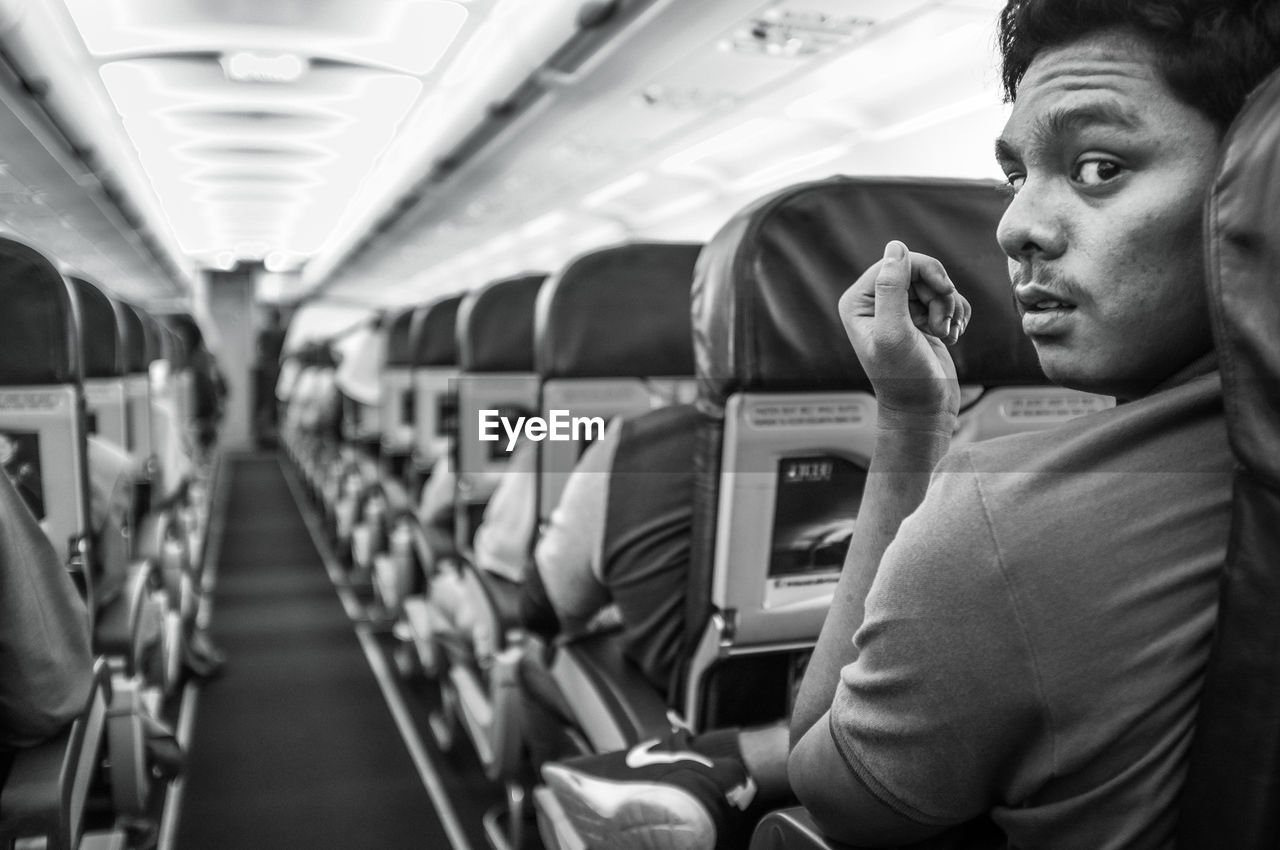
(905, 454)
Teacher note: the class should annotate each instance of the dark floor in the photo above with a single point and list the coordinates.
(294, 746)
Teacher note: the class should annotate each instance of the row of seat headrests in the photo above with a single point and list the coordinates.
(754, 309)
(60, 329)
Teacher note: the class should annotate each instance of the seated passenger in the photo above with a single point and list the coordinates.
(1021, 626)
(46, 668)
(621, 540)
(502, 540)
(621, 536)
(112, 472)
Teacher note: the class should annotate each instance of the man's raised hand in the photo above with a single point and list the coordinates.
(900, 315)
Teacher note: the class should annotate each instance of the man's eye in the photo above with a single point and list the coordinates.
(1095, 172)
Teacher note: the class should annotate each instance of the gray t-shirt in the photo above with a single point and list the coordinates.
(1036, 635)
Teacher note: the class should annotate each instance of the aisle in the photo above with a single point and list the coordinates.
(294, 745)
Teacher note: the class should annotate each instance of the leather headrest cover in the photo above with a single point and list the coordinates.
(399, 351)
(39, 344)
(318, 354)
(100, 340)
(137, 354)
(495, 325)
(618, 312)
(434, 336)
(187, 336)
(1244, 279)
(767, 285)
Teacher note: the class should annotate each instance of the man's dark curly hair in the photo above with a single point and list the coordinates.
(1211, 53)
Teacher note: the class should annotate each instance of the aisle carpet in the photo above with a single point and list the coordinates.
(293, 746)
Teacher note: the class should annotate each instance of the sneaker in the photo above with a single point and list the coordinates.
(659, 795)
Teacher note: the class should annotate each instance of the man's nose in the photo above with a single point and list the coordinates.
(1033, 226)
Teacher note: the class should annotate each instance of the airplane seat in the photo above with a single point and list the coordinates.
(434, 342)
(614, 338)
(495, 326)
(396, 396)
(1232, 793)
(359, 508)
(44, 798)
(138, 354)
(495, 357)
(113, 474)
(200, 393)
(42, 422)
(43, 443)
(401, 572)
(611, 339)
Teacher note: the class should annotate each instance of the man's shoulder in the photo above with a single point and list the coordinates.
(1178, 430)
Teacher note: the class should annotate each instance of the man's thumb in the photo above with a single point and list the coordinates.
(892, 282)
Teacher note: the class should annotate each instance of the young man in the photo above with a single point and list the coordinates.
(1022, 625)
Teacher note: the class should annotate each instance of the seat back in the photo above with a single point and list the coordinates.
(139, 353)
(1232, 793)
(396, 390)
(362, 354)
(183, 336)
(495, 355)
(42, 409)
(788, 419)
(103, 349)
(434, 344)
(612, 337)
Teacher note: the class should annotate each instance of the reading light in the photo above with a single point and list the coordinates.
(245, 67)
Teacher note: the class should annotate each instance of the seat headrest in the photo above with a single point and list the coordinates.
(767, 285)
(100, 335)
(397, 329)
(621, 311)
(1244, 279)
(177, 345)
(495, 325)
(434, 336)
(187, 335)
(137, 349)
(40, 342)
(319, 354)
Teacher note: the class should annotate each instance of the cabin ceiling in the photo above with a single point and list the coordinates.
(384, 151)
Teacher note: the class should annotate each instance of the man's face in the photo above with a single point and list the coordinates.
(1103, 233)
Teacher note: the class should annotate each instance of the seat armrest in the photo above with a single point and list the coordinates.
(48, 784)
(616, 705)
(794, 829)
(789, 829)
(398, 501)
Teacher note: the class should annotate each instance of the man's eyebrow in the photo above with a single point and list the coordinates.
(1070, 119)
(1065, 120)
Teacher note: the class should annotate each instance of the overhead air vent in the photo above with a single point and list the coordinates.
(795, 33)
(599, 21)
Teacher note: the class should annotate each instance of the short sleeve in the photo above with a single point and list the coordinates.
(568, 553)
(941, 705)
(503, 540)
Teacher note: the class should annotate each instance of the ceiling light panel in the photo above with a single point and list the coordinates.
(265, 116)
(407, 35)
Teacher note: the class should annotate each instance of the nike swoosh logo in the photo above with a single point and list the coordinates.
(642, 755)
